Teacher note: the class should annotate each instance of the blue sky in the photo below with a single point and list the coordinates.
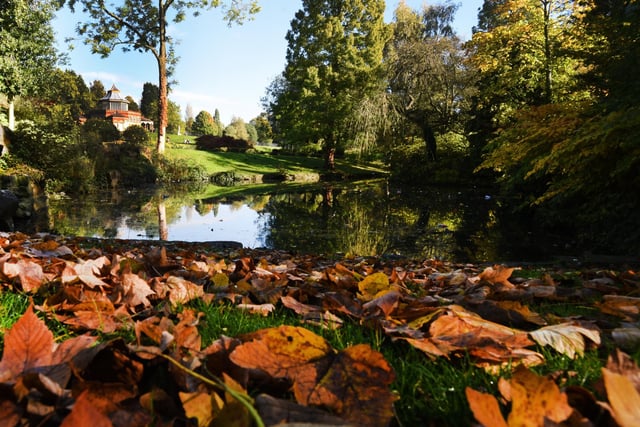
(221, 67)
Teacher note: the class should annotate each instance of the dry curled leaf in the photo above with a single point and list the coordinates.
(623, 398)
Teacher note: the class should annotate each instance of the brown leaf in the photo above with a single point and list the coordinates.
(566, 338)
(84, 414)
(485, 408)
(623, 398)
(136, 290)
(278, 411)
(28, 272)
(10, 413)
(356, 387)
(536, 398)
(27, 345)
(497, 275)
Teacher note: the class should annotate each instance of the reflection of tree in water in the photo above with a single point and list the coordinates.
(326, 221)
(347, 218)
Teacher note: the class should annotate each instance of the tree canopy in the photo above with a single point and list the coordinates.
(138, 25)
(27, 50)
(333, 61)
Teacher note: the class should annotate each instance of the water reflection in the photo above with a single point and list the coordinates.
(363, 218)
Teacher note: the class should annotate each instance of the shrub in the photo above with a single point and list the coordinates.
(105, 129)
(136, 137)
(218, 143)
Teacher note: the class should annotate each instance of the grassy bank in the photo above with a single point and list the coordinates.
(253, 166)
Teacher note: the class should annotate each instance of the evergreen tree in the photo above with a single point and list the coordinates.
(204, 124)
(97, 92)
(333, 62)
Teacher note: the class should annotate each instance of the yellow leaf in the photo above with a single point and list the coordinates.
(535, 399)
(220, 280)
(373, 286)
(623, 398)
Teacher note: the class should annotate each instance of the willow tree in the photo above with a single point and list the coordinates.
(429, 79)
(333, 62)
(141, 26)
(27, 51)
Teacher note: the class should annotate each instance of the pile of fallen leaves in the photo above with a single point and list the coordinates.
(289, 374)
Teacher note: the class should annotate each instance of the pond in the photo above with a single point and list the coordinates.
(353, 218)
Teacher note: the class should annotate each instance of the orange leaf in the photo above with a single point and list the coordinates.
(279, 351)
(84, 414)
(27, 345)
(535, 399)
(623, 398)
(497, 275)
(485, 408)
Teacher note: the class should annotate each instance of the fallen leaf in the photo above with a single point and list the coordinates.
(623, 398)
(534, 399)
(84, 414)
(28, 272)
(204, 407)
(485, 408)
(497, 275)
(279, 351)
(27, 345)
(565, 338)
(356, 387)
(373, 286)
(136, 290)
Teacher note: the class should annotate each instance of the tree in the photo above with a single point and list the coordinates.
(133, 105)
(218, 122)
(429, 78)
(27, 48)
(97, 92)
(263, 128)
(333, 61)
(149, 101)
(517, 71)
(174, 118)
(237, 129)
(204, 124)
(142, 26)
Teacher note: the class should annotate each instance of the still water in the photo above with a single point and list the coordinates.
(358, 218)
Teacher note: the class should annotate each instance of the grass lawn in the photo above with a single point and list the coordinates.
(263, 162)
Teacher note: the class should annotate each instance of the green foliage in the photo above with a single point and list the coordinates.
(27, 46)
(205, 125)
(575, 163)
(237, 129)
(430, 80)
(179, 170)
(104, 130)
(334, 60)
(263, 128)
(136, 137)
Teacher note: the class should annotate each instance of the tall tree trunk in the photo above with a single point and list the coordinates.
(162, 84)
(430, 141)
